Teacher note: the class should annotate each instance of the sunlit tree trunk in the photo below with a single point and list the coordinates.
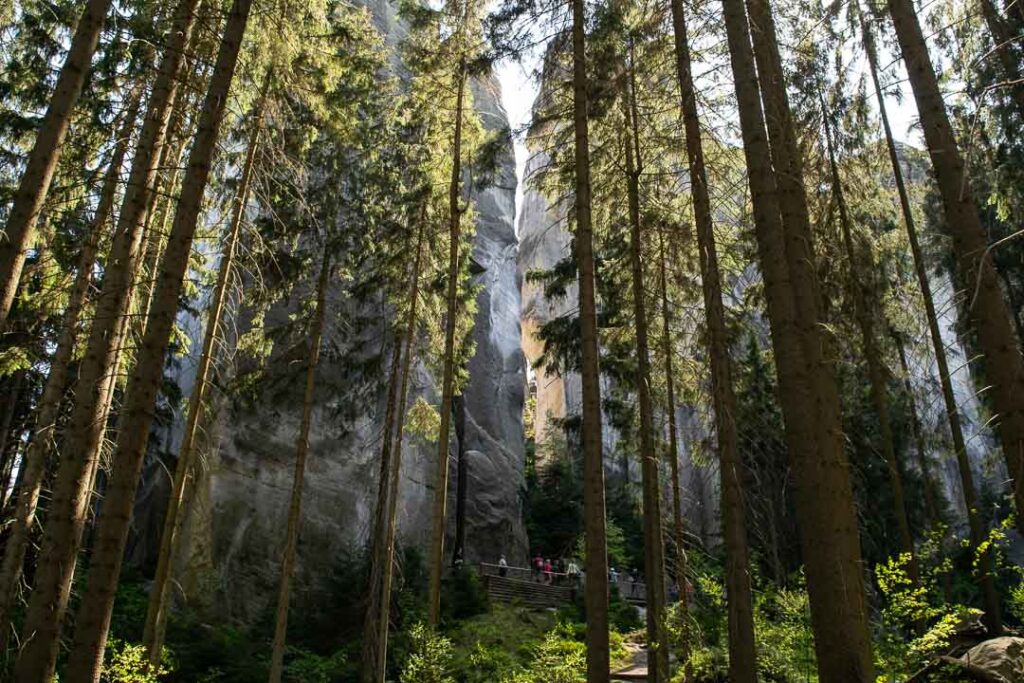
(679, 568)
(382, 566)
(42, 160)
(48, 409)
(807, 391)
(301, 449)
(985, 306)
(92, 622)
(455, 210)
(993, 619)
(654, 552)
(80, 453)
(156, 615)
(742, 651)
(595, 594)
(859, 284)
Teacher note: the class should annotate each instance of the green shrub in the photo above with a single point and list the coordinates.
(900, 651)
(430, 660)
(464, 596)
(503, 640)
(622, 615)
(307, 667)
(127, 663)
(558, 658)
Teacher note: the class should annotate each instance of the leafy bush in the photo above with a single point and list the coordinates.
(307, 667)
(492, 645)
(785, 644)
(622, 615)
(464, 596)
(559, 658)
(900, 650)
(430, 660)
(127, 663)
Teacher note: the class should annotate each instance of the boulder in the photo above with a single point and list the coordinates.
(1003, 657)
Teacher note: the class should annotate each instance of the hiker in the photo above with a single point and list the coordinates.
(633, 577)
(538, 567)
(613, 577)
(573, 572)
(502, 567)
(547, 572)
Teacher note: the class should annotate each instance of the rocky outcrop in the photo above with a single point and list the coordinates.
(1003, 657)
(544, 241)
(237, 516)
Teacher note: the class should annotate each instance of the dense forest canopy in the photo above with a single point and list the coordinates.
(266, 413)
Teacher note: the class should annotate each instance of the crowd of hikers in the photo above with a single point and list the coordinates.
(556, 572)
(569, 572)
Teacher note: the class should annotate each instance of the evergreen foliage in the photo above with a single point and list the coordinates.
(788, 334)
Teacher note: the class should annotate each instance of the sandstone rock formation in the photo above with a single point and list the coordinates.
(1002, 657)
(237, 515)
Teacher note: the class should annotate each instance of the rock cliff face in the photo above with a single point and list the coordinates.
(544, 241)
(238, 513)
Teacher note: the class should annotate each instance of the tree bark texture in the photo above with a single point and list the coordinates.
(42, 160)
(92, 624)
(80, 456)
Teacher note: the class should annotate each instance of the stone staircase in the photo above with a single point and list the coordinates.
(527, 593)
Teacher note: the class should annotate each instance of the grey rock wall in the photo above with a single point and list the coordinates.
(238, 513)
(544, 241)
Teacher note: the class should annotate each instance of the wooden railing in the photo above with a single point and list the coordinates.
(636, 592)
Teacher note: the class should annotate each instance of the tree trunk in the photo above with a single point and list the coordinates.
(375, 633)
(679, 569)
(461, 481)
(1004, 45)
(993, 618)
(158, 214)
(42, 160)
(986, 308)
(807, 392)
(48, 410)
(742, 651)
(436, 559)
(73, 482)
(301, 449)
(93, 619)
(654, 552)
(373, 653)
(859, 285)
(931, 492)
(13, 387)
(156, 614)
(595, 594)
(1016, 300)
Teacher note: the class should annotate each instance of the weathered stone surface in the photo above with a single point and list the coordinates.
(1001, 656)
(544, 241)
(238, 514)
